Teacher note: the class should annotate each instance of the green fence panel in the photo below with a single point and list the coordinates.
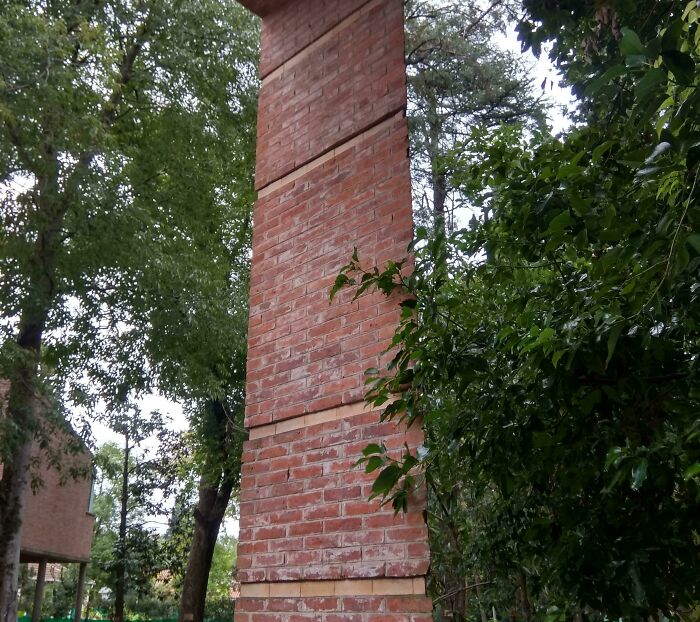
(29, 619)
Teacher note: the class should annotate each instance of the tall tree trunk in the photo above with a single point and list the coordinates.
(439, 184)
(120, 583)
(24, 410)
(438, 178)
(208, 516)
(13, 493)
(525, 606)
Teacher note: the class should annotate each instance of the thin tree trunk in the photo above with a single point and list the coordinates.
(482, 609)
(208, 516)
(525, 604)
(13, 494)
(120, 583)
(439, 184)
(214, 496)
(438, 178)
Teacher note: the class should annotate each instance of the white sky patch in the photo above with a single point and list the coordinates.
(545, 73)
(148, 404)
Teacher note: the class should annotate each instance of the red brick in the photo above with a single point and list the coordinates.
(415, 604)
(304, 499)
(266, 533)
(305, 528)
(332, 525)
(407, 568)
(341, 494)
(304, 508)
(320, 604)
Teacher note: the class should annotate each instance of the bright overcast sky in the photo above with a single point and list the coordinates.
(543, 69)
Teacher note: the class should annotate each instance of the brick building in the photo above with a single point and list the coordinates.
(57, 523)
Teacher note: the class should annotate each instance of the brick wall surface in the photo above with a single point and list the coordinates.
(56, 522)
(294, 26)
(332, 175)
(305, 513)
(332, 90)
(306, 354)
(335, 609)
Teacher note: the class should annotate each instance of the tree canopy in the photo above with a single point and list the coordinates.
(126, 188)
(458, 77)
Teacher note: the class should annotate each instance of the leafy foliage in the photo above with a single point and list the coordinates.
(551, 348)
(150, 156)
(126, 187)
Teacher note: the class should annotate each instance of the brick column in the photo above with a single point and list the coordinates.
(332, 174)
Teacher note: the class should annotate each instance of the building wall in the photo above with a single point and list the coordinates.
(57, 525)
(332, 175)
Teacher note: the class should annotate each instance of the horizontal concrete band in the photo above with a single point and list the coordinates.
(302, 421)
(410, 586)
(318, 42)
(330, 154)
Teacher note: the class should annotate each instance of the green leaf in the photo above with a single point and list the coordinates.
(639, 474)
(386, 480)
(602, 149)
(659, 150)
(409, 461)
(599, 82)
(692, 471)
(694, 241)
(340, 282)
(591, 399)
(681, 65)
(372, 448)
(373, 463)
(693, 156)
(559, 223)
(542, 439)
(671, 37)
(556, 357)
(630, 44)
(650, 83)
(612, 341)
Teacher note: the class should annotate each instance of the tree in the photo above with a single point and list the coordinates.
(458, 78)
(133, 561)
(551, 348)
(109, 112)
(219, 447)
(134, 481)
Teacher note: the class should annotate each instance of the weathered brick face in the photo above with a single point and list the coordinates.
(326, 96)
(294, 26)
(335, 609)
(332, 175)
(57, 524)
(306, 354)
(305, 513)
